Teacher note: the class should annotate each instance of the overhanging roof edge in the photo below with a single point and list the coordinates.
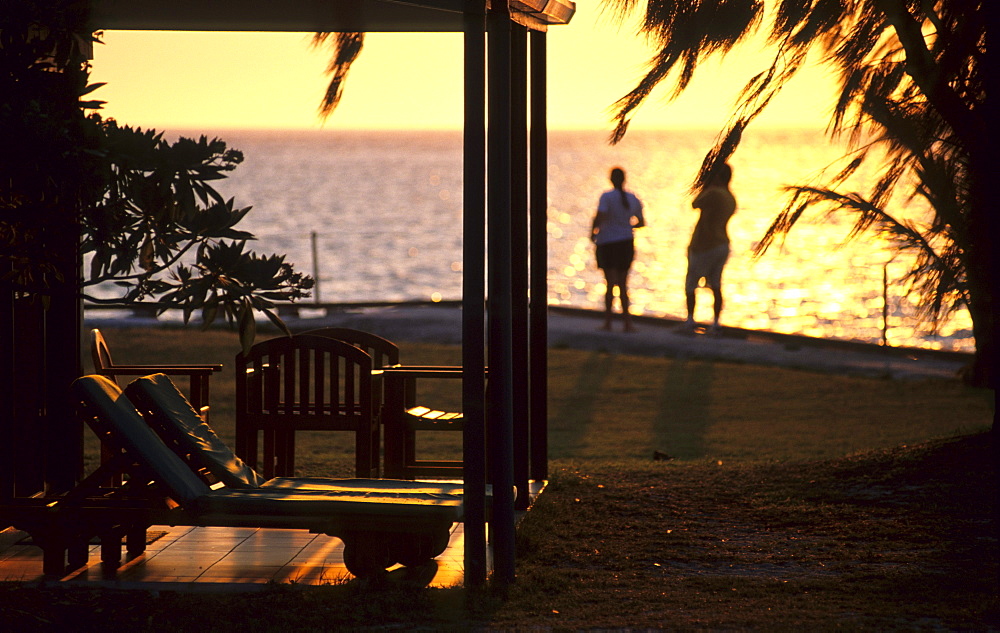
(311, 15)
(546, 11)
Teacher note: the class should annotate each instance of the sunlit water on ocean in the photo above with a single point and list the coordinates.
(387, 211)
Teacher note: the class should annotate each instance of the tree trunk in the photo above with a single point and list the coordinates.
(981, 274)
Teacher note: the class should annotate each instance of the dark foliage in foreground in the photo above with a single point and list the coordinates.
(902, 539)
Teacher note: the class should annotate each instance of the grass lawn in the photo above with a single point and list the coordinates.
(793, 501)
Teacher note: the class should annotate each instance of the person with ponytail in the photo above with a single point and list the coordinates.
(619, 212)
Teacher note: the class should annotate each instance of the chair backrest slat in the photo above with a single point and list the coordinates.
(351, 398)
(384, 352)
(322, 396)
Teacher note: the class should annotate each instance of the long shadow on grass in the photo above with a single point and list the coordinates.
(684, 412)
(569, 425)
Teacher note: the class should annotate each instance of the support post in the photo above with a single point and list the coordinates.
(519, 261)
(500, 402)
(538, 275)
(474, 294)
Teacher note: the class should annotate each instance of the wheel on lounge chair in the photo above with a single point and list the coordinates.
(367, 554)
(77, 555)
(417, 549)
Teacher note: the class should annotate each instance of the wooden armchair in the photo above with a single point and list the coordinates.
(402, 419)
(198, 375)
(400, 416)
(303, 383)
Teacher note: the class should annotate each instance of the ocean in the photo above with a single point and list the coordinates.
(384, 210)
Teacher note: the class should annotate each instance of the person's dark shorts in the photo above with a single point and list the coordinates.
(615, 255)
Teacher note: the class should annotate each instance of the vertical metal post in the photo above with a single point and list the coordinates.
(22, 399)
(519, 259)
(498, 205)
(314, 239)
(8, 410)
(538, 234)
(474, 293)
(885, 305)
(63, 329)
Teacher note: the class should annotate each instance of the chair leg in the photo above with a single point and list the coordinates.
(285, 447)
(363, 452)
(269, 453)
(111, 550)
(392, 420)
(54, 559)
(246, 442)
(78, 554)
(376, 442)
(135, 541)
(409, 451)
(279, 451)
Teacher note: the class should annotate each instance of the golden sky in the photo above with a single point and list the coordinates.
(185, 81)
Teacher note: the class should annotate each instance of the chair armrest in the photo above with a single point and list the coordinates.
(198, 375)
(423, 371)
(170, 370)
(409, 373)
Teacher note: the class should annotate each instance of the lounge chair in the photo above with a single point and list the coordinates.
(379, 526)
(172, 417)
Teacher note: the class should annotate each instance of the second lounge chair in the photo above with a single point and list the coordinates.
(379, 527)
(174, 419)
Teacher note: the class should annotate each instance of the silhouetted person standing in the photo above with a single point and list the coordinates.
(618, 213)
(709, 248)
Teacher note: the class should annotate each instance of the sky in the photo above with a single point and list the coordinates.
(185, 81)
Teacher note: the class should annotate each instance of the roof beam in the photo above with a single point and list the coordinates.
(311, 15)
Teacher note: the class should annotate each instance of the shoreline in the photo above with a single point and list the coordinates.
(578, 328)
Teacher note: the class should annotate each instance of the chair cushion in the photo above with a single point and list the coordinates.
(129, 432)
(303, 484)
(397, 510)
(175, 418)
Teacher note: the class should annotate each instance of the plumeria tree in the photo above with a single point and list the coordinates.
(143, 210)
(160, 231)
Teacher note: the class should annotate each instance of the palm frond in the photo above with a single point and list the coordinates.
(686, 32)
(936, 278)
(345, 50)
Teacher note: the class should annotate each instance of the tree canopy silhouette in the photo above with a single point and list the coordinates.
(912, 81)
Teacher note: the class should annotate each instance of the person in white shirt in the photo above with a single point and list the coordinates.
(619, 212)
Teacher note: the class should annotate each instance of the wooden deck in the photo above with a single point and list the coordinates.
(207, 559)
(222, 559)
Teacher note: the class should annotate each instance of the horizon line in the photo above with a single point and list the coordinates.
(457, 130)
